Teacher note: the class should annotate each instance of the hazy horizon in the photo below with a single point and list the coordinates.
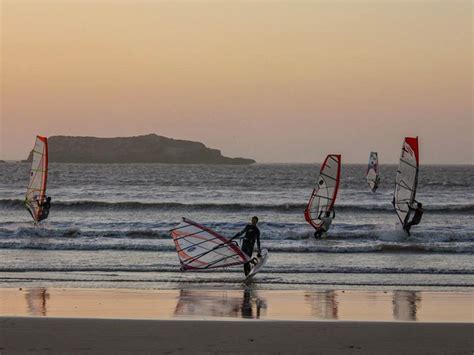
(279, 82)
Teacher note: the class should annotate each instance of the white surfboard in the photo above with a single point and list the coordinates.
(260, 264)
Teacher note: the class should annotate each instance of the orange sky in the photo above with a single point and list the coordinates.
(276, 81)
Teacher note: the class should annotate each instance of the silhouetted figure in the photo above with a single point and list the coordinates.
(321, 233)
(418, 213)
(45, 206)
(252, 235)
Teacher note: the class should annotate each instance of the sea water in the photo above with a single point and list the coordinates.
(109, 227)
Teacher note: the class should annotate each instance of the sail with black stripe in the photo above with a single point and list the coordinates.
(324, 194)
(36, 190)
(406, 180)
(199, 247)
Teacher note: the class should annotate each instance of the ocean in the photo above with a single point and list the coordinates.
(109, 227)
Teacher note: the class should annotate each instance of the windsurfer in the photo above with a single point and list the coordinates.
(327, 220)
(45, 206)
(376, 183)
(252, 235)
(418, 213)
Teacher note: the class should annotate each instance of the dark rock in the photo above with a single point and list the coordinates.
(150, 148)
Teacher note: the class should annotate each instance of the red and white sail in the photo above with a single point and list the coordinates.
(36, 191)
(199, 247)
(407, 179)
(372, 175)
(325, 193)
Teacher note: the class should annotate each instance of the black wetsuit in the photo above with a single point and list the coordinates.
(45, 206)
(415, 220)
(324, 228)
(376, 184)
(252, 235)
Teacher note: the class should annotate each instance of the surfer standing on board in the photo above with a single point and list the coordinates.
(418, 213)
(252, 235)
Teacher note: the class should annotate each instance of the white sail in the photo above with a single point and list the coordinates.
(372, 175)
(199, 247)
(324, 194)
(36, 191)
(407, 179)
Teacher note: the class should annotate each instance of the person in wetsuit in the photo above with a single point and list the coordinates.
(45, 206)
(376, 183)
(418, 213)
(251, 235)
(327, 220)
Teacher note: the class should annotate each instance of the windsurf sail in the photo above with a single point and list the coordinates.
(407, 179)
(36, 191)
(372, 175)
(324, 194)
(199, 247)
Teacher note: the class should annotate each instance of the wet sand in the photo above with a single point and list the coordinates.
(202, 321)
(402, 305)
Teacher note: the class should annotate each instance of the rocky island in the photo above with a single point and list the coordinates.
(150, 148)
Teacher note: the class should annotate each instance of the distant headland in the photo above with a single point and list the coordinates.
(150, 148)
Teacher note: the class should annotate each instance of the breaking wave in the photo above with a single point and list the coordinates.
(226, 207)
(295, 242)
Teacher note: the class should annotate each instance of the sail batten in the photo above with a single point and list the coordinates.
(199, 247)
(407, 179)
(324, 194)
(36, 190)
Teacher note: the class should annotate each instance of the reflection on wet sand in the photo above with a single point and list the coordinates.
(405, 305)
(323, 304)
(220, 304)
(245, 303)
(36, 300)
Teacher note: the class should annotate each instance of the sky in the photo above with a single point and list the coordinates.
(277, 81)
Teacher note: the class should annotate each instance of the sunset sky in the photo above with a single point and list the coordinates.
(277, 81)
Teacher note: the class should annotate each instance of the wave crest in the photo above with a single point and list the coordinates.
(226, 207)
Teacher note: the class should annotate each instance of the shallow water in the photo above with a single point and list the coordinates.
(399, 305)
(115, 219)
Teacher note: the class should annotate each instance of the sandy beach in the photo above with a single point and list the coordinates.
(61, 335)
